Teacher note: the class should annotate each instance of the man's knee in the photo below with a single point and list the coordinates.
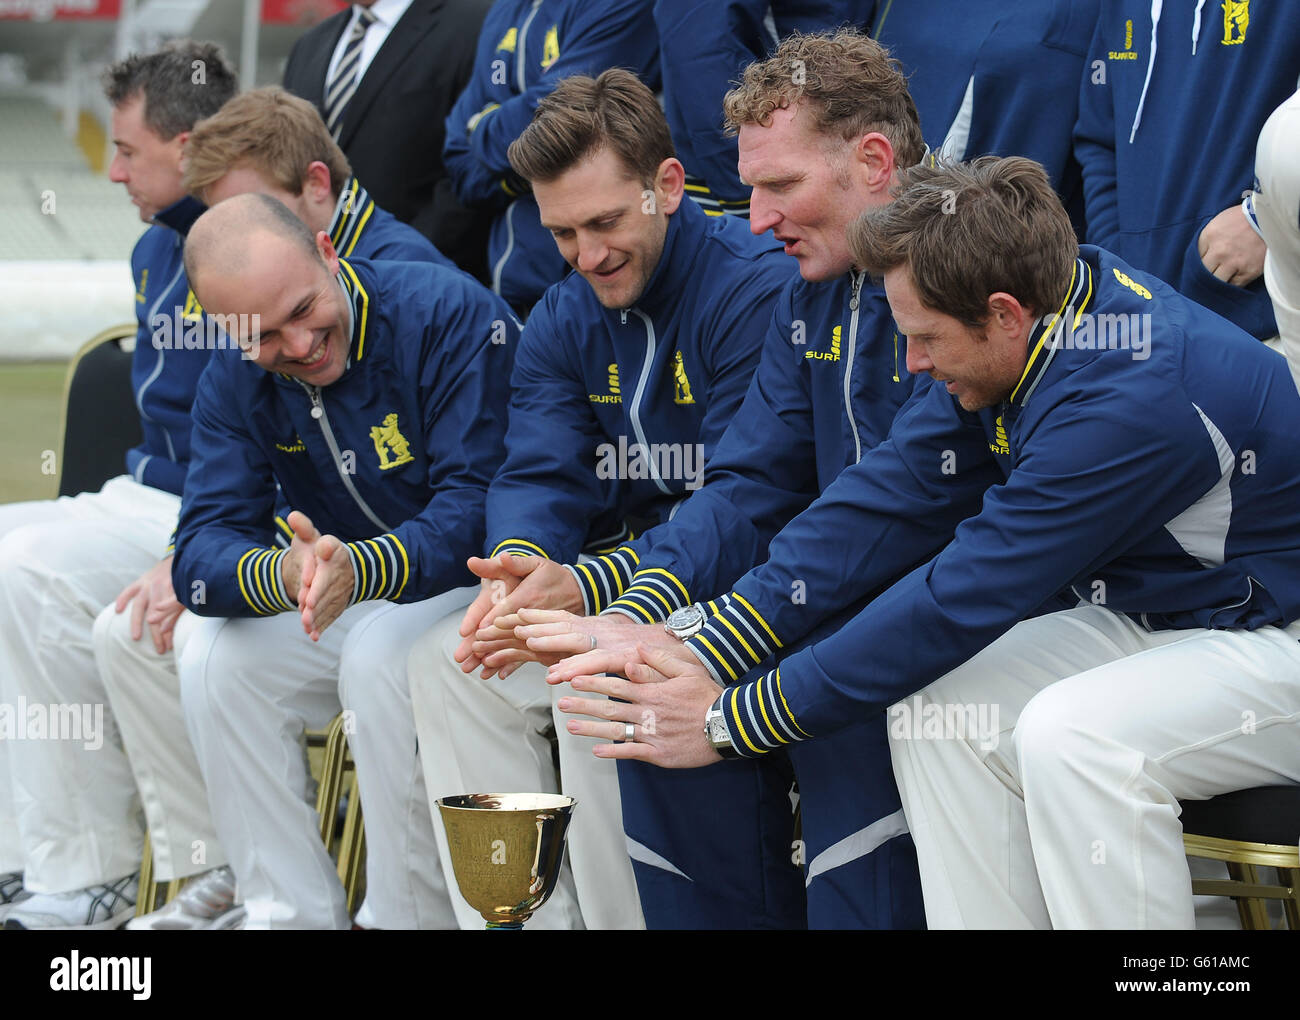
(433, 651)
(219, 661)
(1049, 729)
(372, 668)
(111, 637)
(30, 552)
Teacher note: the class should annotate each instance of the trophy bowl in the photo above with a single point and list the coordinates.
(506, 850)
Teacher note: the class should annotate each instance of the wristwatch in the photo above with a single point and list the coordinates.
(717, 733)
(686, 622)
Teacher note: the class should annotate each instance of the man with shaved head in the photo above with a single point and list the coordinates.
(374, 394)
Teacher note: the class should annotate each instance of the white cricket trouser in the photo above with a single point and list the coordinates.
(1066, 813)
(145, 695)
(69, 814)
(485, 736)
(1277, 205)
(249, 687)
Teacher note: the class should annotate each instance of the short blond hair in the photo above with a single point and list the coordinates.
(848, 81)
(269, 130)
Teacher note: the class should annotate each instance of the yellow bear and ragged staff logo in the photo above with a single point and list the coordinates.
(389, 442)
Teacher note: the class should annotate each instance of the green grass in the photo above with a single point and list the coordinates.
(31, 416)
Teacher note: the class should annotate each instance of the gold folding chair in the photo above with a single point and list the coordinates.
(153, 894)
(1248, 830)
(332, 766)
(338, 777)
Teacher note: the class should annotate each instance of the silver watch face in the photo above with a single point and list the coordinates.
(685, 619)
(715, 727)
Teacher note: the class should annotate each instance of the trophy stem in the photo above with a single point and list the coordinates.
(505, 926)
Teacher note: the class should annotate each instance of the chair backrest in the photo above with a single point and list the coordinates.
(100, 419)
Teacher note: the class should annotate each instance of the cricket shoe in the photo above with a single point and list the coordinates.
(12, 892)
(97, 907)
(206, 902)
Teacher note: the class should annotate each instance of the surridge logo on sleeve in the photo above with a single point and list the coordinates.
(509, 40)
(1236, 19)
(1131, 284)
(144, 282)
(550, 47)
(389, 442)
(682, 385)
(614, 396)
(296, 446)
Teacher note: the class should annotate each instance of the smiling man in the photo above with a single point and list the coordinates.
(376, 399)
(628, 373)
(829, 384)
(1160, 494)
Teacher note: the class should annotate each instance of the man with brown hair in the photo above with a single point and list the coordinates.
(274, 143)
(69, 815)
(824, 127)
(1096, 435)
(628, 373)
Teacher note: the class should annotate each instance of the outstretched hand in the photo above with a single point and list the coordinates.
(664, 696)
(510, 583)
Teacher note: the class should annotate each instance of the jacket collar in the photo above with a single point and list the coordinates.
(180, 216)
(1044, 337)
(352, 214)
(359, 297)
(686, 228)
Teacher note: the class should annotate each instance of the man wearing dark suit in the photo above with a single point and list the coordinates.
(384, 75)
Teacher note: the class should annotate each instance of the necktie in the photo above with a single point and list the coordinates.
(341, 87)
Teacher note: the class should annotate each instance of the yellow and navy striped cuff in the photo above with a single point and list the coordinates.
(758, 717)
(261, 583)
(602, 579)
(654, 596)
(380, 568)
(518, 547)
(734, 640)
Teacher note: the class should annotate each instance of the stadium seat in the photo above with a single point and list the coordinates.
(100, 419)
(1247, 830)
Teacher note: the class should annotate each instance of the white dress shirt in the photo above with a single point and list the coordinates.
(387, 13)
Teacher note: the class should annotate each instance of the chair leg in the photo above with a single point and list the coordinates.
(147, 896)
(1291, 905)
(352, 849)
(1258, 908)
(331, 781)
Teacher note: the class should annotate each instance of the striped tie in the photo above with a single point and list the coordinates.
(340, 88)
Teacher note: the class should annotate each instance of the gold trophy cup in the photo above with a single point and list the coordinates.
(506, 850)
